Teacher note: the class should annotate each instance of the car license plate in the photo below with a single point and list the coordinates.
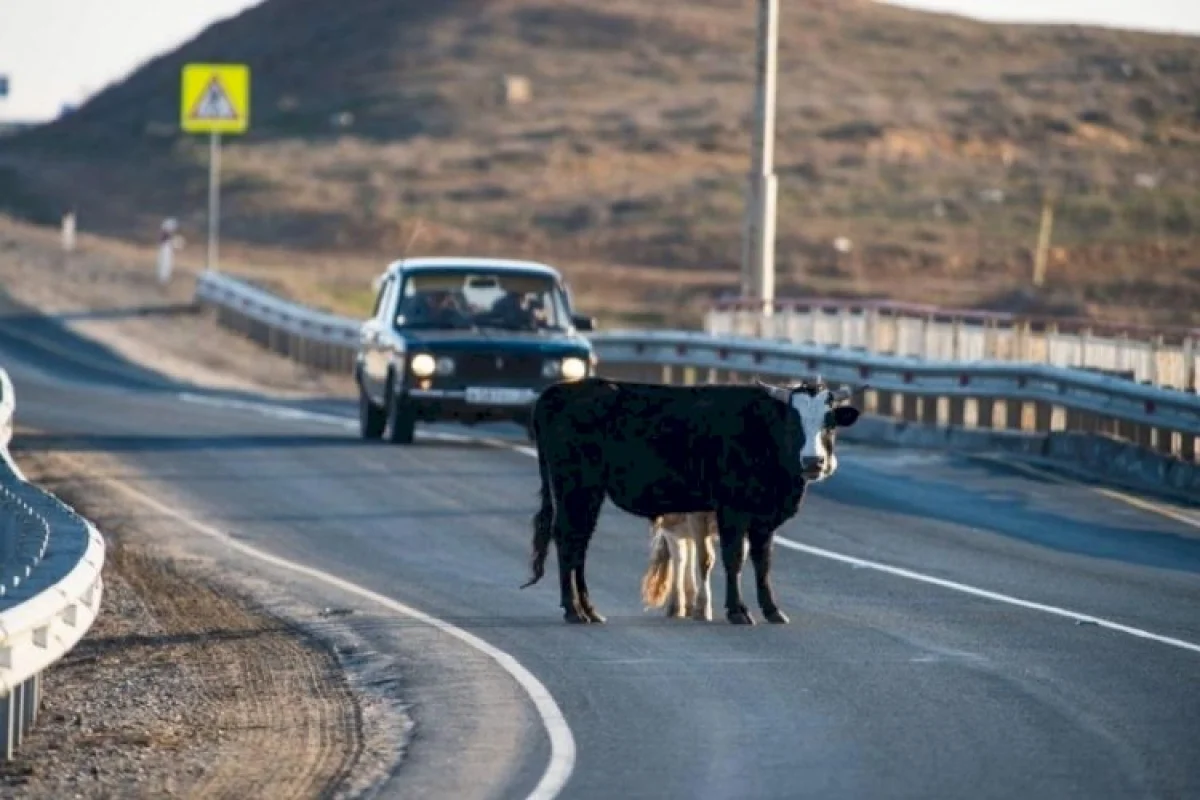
(488, 395)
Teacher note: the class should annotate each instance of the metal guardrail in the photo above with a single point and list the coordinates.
(1163, 357)
(979, 394)
(50, 573)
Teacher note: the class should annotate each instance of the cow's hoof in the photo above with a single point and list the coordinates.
(702, 614)
(575, 618)
(776, 616)
(594, 616)
(741, 617)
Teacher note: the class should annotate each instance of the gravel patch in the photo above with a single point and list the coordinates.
(189, 685)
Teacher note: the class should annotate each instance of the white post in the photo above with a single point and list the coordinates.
(758, 245)
(214, 198)
(167, 243)
(68, 232)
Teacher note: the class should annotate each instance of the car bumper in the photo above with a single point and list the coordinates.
(463, 405)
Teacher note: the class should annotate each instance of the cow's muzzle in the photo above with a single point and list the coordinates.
(812, 466)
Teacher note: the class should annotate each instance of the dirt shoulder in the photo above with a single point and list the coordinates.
(186, 686)
(107, 292)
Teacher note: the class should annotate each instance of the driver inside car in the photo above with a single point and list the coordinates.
(512, 310)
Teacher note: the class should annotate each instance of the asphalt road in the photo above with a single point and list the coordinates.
(882, 686)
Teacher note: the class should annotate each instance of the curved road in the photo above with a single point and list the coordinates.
(884, 685)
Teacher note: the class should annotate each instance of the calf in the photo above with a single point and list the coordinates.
(682, 556)
(744, 453)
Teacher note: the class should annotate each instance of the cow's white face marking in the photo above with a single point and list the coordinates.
(818, 417)
(814, 415)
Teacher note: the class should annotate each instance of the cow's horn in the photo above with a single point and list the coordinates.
(777, 392)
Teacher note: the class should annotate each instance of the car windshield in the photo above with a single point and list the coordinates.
(464, 299)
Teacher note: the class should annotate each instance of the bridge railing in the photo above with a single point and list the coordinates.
(50, 585)
(1168, 357)
(1046, 407)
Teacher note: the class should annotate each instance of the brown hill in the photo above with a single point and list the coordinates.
(928, 140)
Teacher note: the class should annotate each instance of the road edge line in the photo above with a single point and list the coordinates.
(562, 741)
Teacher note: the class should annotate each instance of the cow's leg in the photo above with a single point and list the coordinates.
(732, 530)
(574, 522)
(591, 513)
(706, 558)
(762, 542)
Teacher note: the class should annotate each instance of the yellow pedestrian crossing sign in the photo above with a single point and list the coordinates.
(215, 98)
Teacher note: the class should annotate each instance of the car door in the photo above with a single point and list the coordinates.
(375, 341)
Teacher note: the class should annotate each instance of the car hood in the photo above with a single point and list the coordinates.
(492, 339)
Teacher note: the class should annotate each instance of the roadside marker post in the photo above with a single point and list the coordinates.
(214, 99)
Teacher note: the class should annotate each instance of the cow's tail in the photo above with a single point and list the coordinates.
(543, 520)
(657, 580)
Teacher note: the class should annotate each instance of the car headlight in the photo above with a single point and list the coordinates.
(423, 365)
(445, 366)
(574, 368)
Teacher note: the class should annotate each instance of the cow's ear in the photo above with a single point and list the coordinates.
(845, 416)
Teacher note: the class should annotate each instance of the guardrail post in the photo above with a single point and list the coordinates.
(34, 702)
(7, 725)
(941, 411)
(914, 407)
(1146, 436)
(1013, 413)
(1188, 451)
(871, 401)
(1043, 416)
(18, 714)
(956, 411)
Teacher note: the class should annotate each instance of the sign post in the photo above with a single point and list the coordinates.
(214, 99)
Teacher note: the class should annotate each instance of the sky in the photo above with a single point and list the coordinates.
(58, 52)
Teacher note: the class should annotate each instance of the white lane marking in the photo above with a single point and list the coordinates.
(857, 563)
(1162, 509)
(863, 563)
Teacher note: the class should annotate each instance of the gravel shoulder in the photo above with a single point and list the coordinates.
(188, 685)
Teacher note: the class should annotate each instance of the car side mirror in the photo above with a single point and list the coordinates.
(582, 322)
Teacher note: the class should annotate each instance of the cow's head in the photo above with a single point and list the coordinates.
(818, 411)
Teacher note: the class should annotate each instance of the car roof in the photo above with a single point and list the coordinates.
(467, 263)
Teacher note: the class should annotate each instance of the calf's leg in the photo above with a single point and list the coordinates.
(761, 544)
(706, 557)
(687, 598)
(675, 599)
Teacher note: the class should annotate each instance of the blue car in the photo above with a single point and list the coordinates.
(467, 340)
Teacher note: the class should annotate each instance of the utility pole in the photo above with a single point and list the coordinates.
(762, 190)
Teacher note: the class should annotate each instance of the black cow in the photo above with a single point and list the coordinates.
(745, 452)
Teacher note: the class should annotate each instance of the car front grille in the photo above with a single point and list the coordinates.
(497, 369)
